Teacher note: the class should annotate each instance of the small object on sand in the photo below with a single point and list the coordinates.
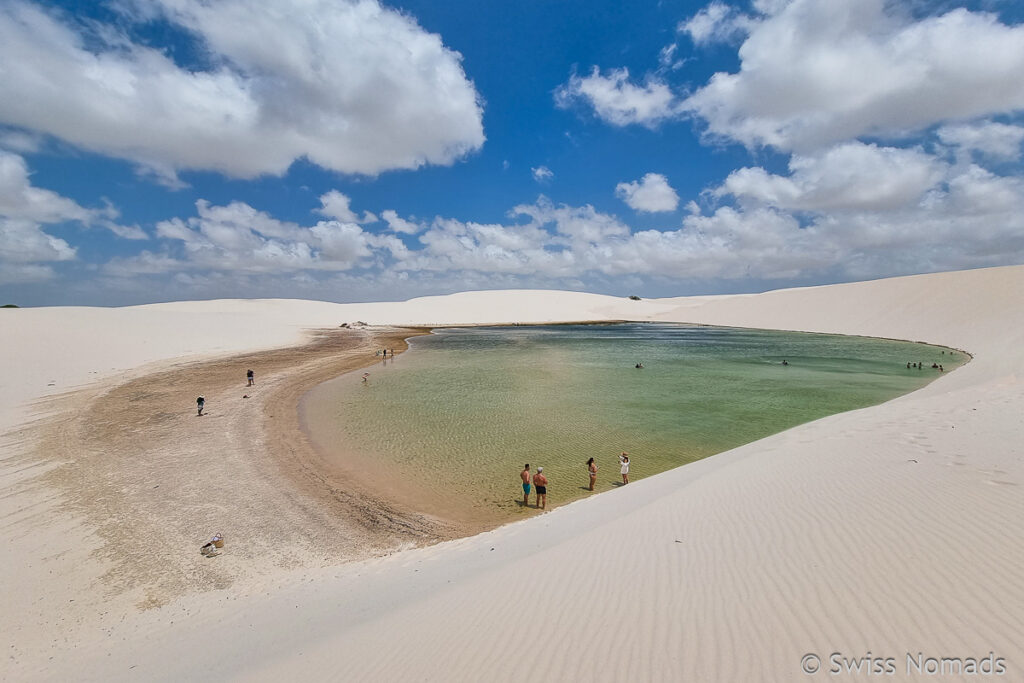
(911, 460)
(245, 395)
(213, 545)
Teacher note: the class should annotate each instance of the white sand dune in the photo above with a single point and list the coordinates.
(891, 530)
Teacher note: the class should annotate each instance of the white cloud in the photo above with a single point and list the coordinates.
(455, 246)
(335, 205)
(716, 23)
(238, 238)
(342, 244)
(816, 72)
(850, 211)
(617, 101)
(24, 242)
(348, 84)
(990, 139)
(850, 176)
(20, 199)
(398, 224)
(542, 174)
(244, 242)
(580, 226)
(19, 141)
(651, 194)
(667, 57)
(25, 247)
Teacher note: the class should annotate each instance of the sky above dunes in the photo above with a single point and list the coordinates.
(155, 150)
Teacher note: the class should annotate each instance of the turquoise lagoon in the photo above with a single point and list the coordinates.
(459, 414)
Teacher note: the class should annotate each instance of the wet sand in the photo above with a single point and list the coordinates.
(147, 473)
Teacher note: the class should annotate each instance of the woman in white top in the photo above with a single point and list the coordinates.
(624, 461)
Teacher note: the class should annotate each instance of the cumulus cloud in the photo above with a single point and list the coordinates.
(542, 174)
(874, 212)
(850, 176)
(239, 238)
(335, 205)
(617, 101)
(451, 246)
(25, 247)
(780, 229)
(348, 84)
(650, 194)
(19, 199)
(25, 251)
(399, 224)
(814, 73)
(990, 139)
(716, 23)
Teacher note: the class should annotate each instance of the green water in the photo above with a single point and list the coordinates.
(464, 409)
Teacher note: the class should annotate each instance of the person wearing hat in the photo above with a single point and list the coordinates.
(540, 482)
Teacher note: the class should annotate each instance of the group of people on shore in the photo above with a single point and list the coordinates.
(539, 481)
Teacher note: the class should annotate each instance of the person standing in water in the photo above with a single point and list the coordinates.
(592, 471)
(525, 476)
(624, 468)
(541, 484)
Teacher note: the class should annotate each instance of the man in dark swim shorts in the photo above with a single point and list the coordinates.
(525, 476)
(541, 482)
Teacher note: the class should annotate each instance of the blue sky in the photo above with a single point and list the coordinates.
(155, 150)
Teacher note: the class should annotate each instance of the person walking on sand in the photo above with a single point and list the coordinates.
(624, 469)
(540, 482)
(525, 476)
(200, 404)
(592, 471)
(251, 376)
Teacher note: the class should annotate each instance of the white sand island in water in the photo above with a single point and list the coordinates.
(893, 532)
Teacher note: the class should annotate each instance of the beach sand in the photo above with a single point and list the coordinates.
(893, 530)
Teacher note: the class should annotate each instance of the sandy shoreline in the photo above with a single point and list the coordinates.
(150, 479)
(893, 529)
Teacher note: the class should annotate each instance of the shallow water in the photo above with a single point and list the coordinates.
(462, 411)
